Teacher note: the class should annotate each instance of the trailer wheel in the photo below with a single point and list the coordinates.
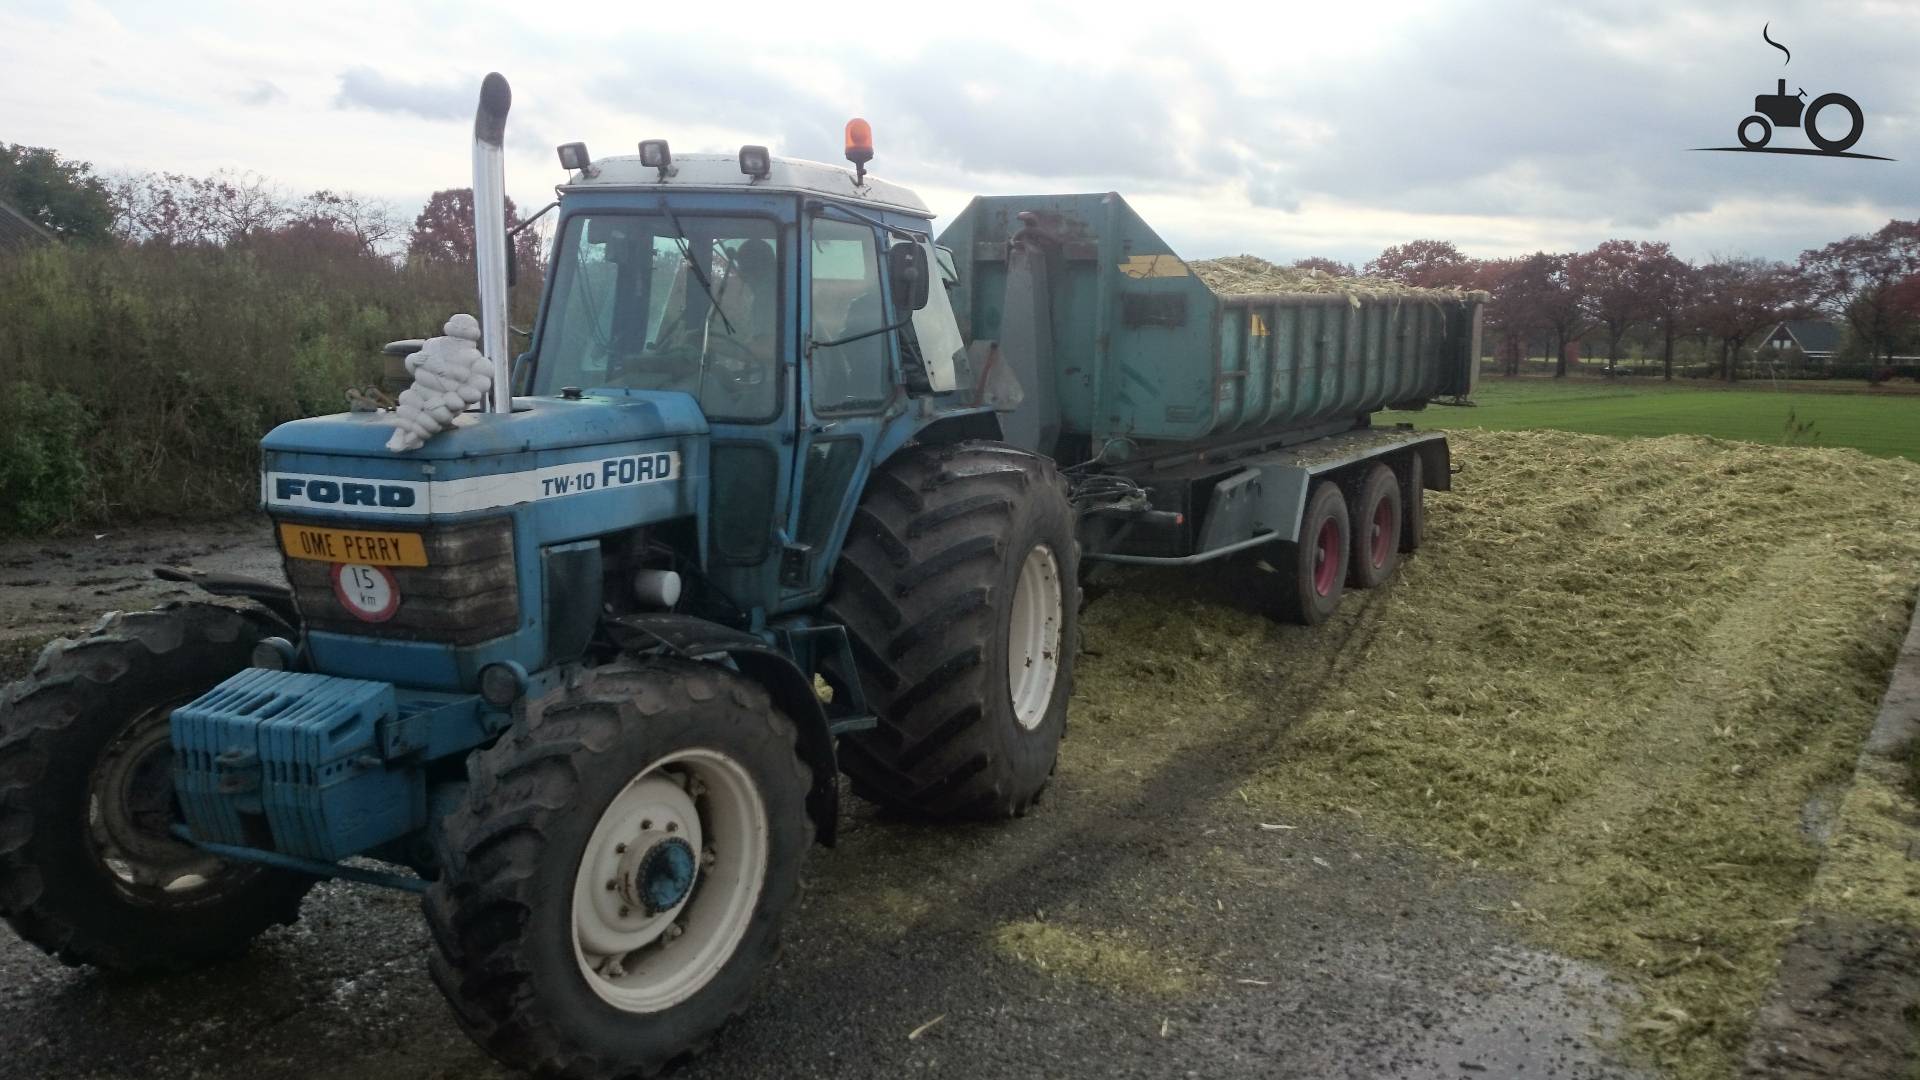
(1413, 504)
(959, 589)
(1377, 528)
(89, 870)
(615, 881)
(1314, 568)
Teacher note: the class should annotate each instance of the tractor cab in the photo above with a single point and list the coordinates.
(792, 301)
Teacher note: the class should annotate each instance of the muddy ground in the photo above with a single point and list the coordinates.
(1308, 952)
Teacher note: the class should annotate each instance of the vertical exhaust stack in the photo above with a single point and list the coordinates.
(490, 232)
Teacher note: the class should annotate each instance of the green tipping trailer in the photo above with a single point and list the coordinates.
(1194, 424)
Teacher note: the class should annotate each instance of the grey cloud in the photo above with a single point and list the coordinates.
(366, 88)
(261, 92)
(1504, 109)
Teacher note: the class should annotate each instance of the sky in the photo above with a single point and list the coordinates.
(1282, 129)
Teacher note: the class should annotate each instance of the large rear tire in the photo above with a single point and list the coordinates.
(615, 881)
(959, 588)
(1378, 528)
(1313, 569)
(89, 870)
(1413, 503)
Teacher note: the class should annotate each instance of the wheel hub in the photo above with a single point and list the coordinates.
(661, 874)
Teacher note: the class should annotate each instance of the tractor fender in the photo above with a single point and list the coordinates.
(693, 638)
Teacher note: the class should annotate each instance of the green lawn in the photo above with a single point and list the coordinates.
(1887, 425)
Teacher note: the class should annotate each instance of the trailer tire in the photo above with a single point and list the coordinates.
(1413, 504)
(1378, 527)
(88, 869)
(680, 786)
(1313, 569)
(959, 588)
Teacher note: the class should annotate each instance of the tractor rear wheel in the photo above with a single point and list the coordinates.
(1313, 569)
(615, 881)
(959, 589)
(89, 869)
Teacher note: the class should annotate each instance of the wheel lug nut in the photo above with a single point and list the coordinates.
(619, 849)
(645, 824)
(612, 884)
(624, 910)
(673, 826)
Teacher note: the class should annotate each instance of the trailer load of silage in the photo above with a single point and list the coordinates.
(1619, 671)
(1246, 275)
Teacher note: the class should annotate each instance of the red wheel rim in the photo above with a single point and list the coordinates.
(1326, 558)
(1383, 533)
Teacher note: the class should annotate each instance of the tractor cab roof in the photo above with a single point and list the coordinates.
(721, 172)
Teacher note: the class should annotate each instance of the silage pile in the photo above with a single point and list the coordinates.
(1619, 671)
(1245, 275)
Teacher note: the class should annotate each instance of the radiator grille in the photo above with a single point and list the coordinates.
(467, 592)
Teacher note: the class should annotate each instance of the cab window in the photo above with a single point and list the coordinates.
(846, 301)
(638, 302)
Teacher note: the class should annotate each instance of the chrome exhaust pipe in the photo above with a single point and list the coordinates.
(490, 232)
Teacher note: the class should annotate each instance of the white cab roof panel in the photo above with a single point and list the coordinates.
(721, 172)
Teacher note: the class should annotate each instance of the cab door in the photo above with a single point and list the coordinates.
(847, 390)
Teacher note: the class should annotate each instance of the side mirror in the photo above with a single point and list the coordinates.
(907, 265)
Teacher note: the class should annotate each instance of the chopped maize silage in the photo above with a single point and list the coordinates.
(1619, 671)
(1101, 958)
(1240, 275)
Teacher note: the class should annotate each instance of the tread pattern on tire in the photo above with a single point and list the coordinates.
(915, 588)
(492, 846)
(70, 678)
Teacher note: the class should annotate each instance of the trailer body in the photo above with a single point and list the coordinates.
(1221, 410)
(1138, 350)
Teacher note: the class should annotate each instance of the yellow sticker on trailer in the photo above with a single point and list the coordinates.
(352, 546)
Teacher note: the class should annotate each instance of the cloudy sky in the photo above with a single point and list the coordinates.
(1281, 128)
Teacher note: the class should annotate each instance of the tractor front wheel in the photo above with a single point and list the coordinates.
(89, 868)
(615, 882)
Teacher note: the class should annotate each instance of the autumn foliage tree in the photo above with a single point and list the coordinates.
(1426, 263)
(443, 232)
(1871, 282)
(1739, 297)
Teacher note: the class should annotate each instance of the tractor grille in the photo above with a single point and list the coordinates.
(467, 592)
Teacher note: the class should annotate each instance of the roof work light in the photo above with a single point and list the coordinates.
(756, 162)
(655, 155)
(574, 157)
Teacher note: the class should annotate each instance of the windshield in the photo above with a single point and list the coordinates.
(628, 310)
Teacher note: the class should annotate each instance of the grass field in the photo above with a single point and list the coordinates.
(1882, 424)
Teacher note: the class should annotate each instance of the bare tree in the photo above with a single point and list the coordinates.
(172, 209)
(371, 222)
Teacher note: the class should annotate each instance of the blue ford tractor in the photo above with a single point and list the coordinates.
(781, 490)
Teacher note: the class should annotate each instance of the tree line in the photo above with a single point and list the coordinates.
(1867, 284)
(176, 318)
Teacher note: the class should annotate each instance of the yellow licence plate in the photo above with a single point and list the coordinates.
(352, 546)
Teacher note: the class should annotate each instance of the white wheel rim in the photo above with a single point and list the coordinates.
(1033, 637)
(639, 958)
